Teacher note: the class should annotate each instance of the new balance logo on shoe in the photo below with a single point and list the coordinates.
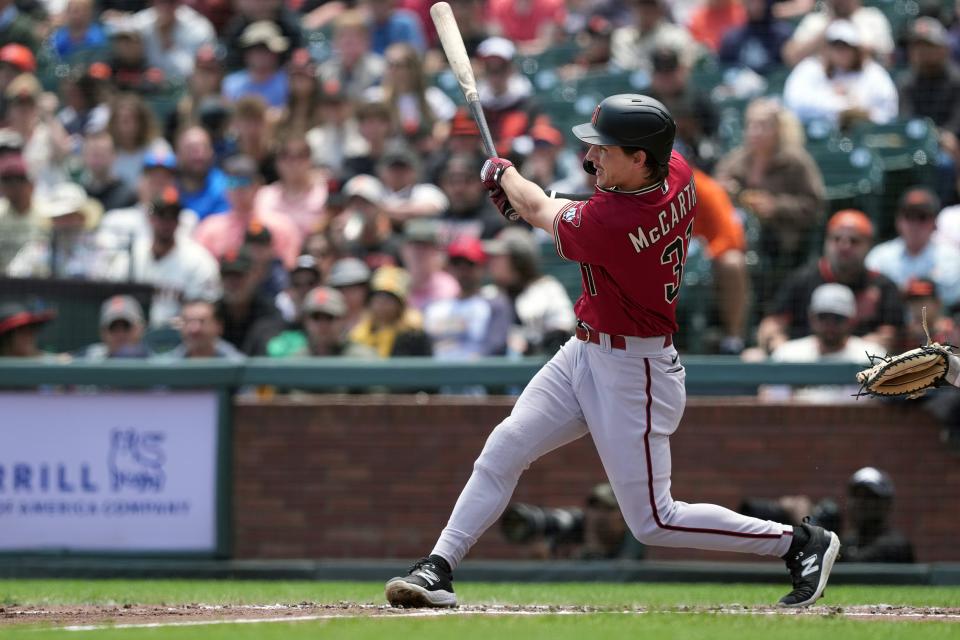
(809, 566)
(428, 576)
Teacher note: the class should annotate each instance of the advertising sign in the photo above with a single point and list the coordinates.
(108, 472)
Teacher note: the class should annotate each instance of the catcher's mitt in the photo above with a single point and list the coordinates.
(911, 373)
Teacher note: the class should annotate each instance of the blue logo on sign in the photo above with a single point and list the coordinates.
(136, 460)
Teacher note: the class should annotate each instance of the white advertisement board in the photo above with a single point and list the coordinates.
(108, 472)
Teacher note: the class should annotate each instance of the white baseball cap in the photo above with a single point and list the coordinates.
(843, 31)
(833, 298)
(497, 47)
(366, 187)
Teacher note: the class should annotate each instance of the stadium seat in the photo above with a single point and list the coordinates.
(852, 174)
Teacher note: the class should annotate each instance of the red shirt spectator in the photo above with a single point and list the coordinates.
(524, 20)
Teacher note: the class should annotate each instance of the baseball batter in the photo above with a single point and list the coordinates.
(619, 378)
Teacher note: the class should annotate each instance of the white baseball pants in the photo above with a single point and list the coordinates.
(630, 401)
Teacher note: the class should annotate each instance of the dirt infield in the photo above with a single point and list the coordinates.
(96, 616)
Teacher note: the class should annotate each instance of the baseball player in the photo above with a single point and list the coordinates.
(619, 378)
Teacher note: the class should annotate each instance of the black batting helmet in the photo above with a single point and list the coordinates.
(631, 120)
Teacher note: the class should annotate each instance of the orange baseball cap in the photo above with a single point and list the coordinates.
(19, 56)
(851, 218)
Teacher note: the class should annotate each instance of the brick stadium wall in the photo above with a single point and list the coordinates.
(377, 476)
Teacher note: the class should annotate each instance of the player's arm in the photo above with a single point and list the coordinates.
(511, 193)
(530, 201)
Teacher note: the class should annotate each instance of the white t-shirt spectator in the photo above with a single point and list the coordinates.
(948, 227)
(810, 94)
(938, 262)
(187, 272)
(190, 32)
(873, 26)
(458, 327)
(807, 349)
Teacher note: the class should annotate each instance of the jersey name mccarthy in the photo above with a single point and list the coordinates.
(631, 247)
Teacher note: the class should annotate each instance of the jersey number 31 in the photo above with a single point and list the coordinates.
(674, 254)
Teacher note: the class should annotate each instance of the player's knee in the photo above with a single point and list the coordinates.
(507, 451)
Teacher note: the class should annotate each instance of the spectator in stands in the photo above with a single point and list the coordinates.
(354, 65)
(301, 192)
(17, 26)
(20, 221)
(157, 181)
(71, 250)
(351, 277)
(98, 178)
(810, 37)
(320, 248)
(201, 328)
(304, 276)
(303, 102)
(389, 326)
(249, 315)
(251, 132)
(263, 75)
(14, 60)
(223, 233)
(594, 43)
(172, 34)
(422, 256)
(879, 308)
(469, 325)
(549, 162)
(322, 335)
(337, 133)
(775, 179)
(869, 536)
(248, 12)
(504, 92)
(914, 253)
(420, 110)
(713, 19)
(407, 197)
(203, 187)
(843, 85)
(266, 268)
(45, 143)
(363, 229)
(920, 297)
(470, 212)
(717, 223)
(84, 94)
(19, 329)
(931, 86)
(80, 33)
(390, 24)
(135, 133)
(205, 81)
(127, 67)
(173, 263)
(758, 43)
(533, 24)
(693, 111)
(831, 316)
(121, 331)
(375, 126)
(633, 45)
(543, 316)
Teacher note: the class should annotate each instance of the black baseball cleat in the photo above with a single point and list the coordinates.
(429, 583)
(810, 566)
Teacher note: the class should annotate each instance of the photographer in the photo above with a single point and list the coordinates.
(596, 532)
(869, 536)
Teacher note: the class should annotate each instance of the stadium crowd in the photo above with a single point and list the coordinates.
(297, 178)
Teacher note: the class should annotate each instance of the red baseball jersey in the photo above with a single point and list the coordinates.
(631, 246)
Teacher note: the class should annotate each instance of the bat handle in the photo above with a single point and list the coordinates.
(486, 138)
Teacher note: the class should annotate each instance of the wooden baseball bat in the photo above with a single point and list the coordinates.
(452, 42)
